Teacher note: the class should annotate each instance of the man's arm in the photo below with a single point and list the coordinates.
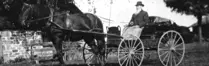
(145, 19)
(132, 18)
(131, 21)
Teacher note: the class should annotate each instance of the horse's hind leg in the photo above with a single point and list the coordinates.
(101, 48)
(101, 44)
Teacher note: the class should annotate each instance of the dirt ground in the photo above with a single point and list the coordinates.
(196, 55)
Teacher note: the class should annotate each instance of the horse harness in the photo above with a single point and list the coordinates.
(51, 22)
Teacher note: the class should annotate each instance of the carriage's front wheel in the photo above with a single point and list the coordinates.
(131, 52)
(171, 48)
(91, 58)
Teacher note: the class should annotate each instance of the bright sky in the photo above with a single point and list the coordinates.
(121, 10)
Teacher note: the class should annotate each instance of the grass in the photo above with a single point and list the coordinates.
(196, 55)
(198, 58)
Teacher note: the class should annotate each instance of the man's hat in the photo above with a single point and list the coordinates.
(139, 3)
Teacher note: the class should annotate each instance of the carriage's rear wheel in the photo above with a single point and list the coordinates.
(171, 48)
(131, 52)
(91, 58)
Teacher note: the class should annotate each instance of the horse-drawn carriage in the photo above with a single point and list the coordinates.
(168, 42)
(77, 26)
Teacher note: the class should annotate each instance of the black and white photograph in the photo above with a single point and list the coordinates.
(104, 32)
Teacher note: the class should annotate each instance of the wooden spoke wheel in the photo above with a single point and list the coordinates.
(131, 52)
(171, 48)
(92, 58)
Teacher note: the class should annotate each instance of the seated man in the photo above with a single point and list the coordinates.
(138, 21)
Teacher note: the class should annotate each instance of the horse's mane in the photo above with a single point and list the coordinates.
(72, 8)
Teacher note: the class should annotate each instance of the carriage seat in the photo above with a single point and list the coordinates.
(114, 30)
(113, 40)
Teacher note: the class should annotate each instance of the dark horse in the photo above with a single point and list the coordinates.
(64, 25)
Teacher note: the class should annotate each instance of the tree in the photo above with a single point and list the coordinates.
(198, 8)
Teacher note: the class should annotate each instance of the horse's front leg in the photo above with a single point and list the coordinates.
(57, 39)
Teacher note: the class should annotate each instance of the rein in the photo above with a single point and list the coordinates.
(46, 17)
(49, 17)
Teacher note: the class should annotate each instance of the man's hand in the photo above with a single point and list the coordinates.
(131, 23)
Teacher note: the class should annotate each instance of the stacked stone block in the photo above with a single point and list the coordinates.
(16, 44)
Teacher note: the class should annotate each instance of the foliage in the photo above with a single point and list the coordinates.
(198, 8)
(193, 7)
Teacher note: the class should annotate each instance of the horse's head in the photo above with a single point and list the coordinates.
(25, 15)
(34, 16)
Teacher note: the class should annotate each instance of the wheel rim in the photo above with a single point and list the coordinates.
(171, 48)
(92, 58)
(131, 52)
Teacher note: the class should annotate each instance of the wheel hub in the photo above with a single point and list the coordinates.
(131, 51)
(172, 48)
